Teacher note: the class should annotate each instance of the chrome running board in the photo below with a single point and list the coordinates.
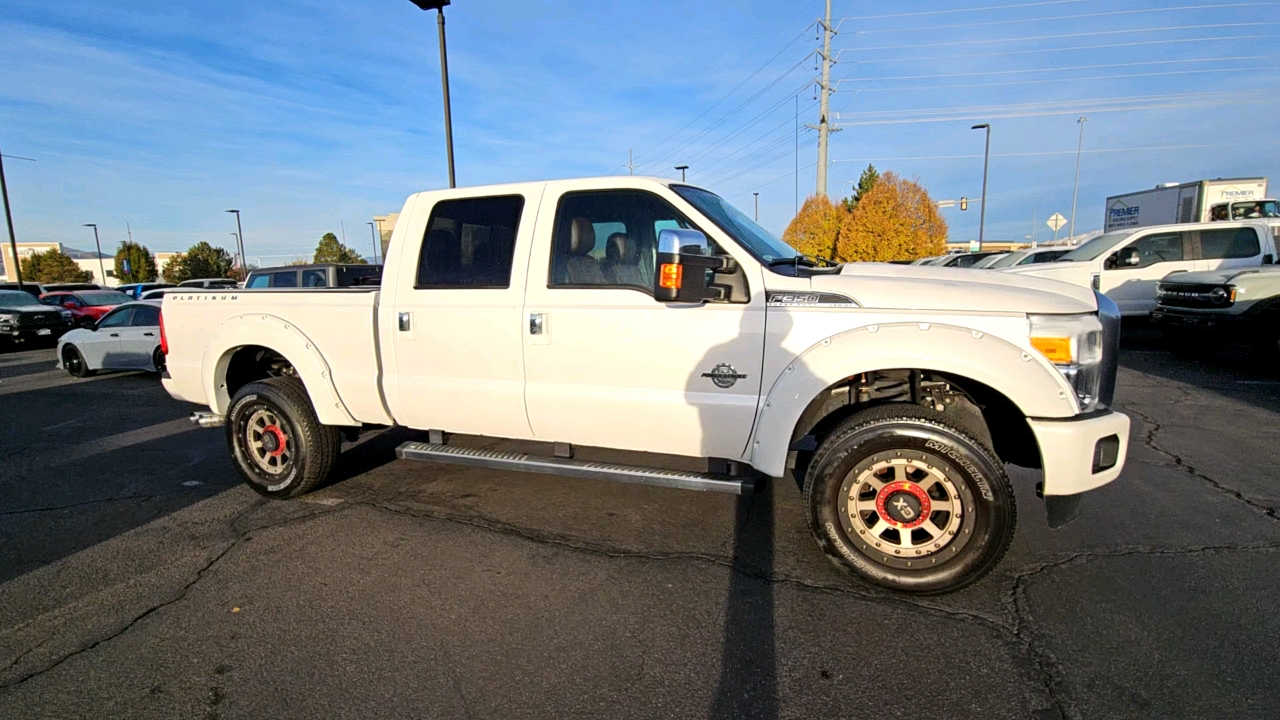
(522, 462)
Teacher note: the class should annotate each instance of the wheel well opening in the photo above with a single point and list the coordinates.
(972, 405)
(254, 362)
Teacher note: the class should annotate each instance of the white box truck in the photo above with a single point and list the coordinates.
(1193, 202)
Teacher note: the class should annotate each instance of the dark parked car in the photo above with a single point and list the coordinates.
(315, 276)
(85, 305)
(24, 318)
(35, 289)
(135, 290)
(72, 287)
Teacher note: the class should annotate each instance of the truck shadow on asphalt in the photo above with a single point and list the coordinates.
(1235, 373)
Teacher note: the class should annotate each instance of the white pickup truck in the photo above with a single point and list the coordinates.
(643, 315)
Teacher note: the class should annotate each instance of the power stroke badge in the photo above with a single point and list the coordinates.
(724, 375)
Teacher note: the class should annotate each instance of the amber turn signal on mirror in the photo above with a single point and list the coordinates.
(670, 276)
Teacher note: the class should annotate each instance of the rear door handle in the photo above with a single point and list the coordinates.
(535, 323)
(405, 321)
(115, 334)
(148, 334)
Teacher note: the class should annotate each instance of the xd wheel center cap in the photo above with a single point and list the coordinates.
(904, 505)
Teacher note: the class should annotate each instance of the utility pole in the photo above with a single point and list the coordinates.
(1035, 211)
(8, 218)
(1079, 146)
(824, 128)
(631, 165)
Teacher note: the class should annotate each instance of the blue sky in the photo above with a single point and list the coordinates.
(309, 114)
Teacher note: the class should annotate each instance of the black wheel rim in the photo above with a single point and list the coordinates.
(158, 361)
(72, 360)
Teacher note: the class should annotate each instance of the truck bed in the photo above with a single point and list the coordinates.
(342, 321)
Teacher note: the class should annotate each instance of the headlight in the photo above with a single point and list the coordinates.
(6, 318)
(1073, 343)
(66, 314)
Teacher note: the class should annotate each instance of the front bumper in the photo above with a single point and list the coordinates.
(14, 332)
(1081, 453)
(1203, 321)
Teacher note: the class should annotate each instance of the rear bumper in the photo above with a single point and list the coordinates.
(1083, 453)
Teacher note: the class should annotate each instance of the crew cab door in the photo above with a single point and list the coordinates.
(1132, 285)
(451, 334)
(608, 365)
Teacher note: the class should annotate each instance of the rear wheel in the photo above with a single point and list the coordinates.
(74, 362)
(157, 360)
(901, 497)
(281, 449)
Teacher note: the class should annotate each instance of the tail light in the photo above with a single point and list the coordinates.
(164, 339)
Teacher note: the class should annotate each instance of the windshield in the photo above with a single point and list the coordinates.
(1097, 246)
(758, 241)
(11, 298)
(1255, 209)
(99, 299)
(1011, 259)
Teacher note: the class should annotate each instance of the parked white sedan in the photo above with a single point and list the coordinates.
(127, 338)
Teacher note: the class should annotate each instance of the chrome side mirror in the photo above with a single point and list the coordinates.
(681, 248)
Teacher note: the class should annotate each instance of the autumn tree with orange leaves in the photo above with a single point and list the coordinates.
(895, 219)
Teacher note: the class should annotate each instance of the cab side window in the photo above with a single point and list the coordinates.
(314, 278)
(260, 281)
(470, 243)
(1152, 249)
(288, 278)
(1232, 243)
(609, 239)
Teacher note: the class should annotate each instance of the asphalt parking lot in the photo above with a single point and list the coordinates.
(139, 578)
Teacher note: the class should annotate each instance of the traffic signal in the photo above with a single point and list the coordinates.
(964, 203)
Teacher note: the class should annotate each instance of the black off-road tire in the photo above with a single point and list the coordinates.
(74, 363)
(310, 448)
(973, 540)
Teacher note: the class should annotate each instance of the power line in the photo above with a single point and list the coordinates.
(1064, 111)
(1041, 81)
(1060, 69)
(770, 182)
(1066, 17)
(738, 86)
(986, 41)
(961, 10)
(1059, 103)
(1056, 152)
(878, 61)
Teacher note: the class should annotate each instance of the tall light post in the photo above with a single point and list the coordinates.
(101, 268)
(438, 6)
(244, 267)
(8, 218)
(986, 160)
(373, 233)
(757, 205)
(682, 168)
(1076, 189)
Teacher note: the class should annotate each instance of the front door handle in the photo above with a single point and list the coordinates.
(405, 321)
(115, 334)
(148, 334)
(535, 323)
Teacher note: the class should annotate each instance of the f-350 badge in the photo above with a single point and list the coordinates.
(724, 375)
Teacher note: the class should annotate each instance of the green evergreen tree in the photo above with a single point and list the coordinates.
(53, 266)
(201, 260)
(331, 250)
(866, 181)
(142, 264)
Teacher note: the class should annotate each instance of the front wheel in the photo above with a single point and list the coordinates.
(901, 497)
(279, 445)
(74, 363)
(157, 360)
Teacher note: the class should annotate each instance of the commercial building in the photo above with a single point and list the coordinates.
(84, 260)
(386, 225)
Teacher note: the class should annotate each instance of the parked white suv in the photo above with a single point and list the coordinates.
(640, 314)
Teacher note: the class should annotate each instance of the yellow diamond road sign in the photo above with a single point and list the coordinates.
(1056, 222)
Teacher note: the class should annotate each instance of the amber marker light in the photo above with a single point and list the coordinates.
(1057, 349)
(671, 276)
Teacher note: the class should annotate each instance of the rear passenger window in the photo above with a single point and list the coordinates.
(314, 278)
(145, 317)
(470, 243)
(285, 279)
(1229, 243)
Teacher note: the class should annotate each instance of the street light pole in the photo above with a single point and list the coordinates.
(438, 6)
(244, 266)
(101, 269)
(757, 205)
(682, 168)
(8, 218)
(1076, 189)
(986, 160)
(374, 234)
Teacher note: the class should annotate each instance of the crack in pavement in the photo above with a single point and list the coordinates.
(181, 593)
(1047, 664)
(1148, 438)
(99, 501)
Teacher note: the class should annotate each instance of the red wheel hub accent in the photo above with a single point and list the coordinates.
(886, 495)
(280, 438)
